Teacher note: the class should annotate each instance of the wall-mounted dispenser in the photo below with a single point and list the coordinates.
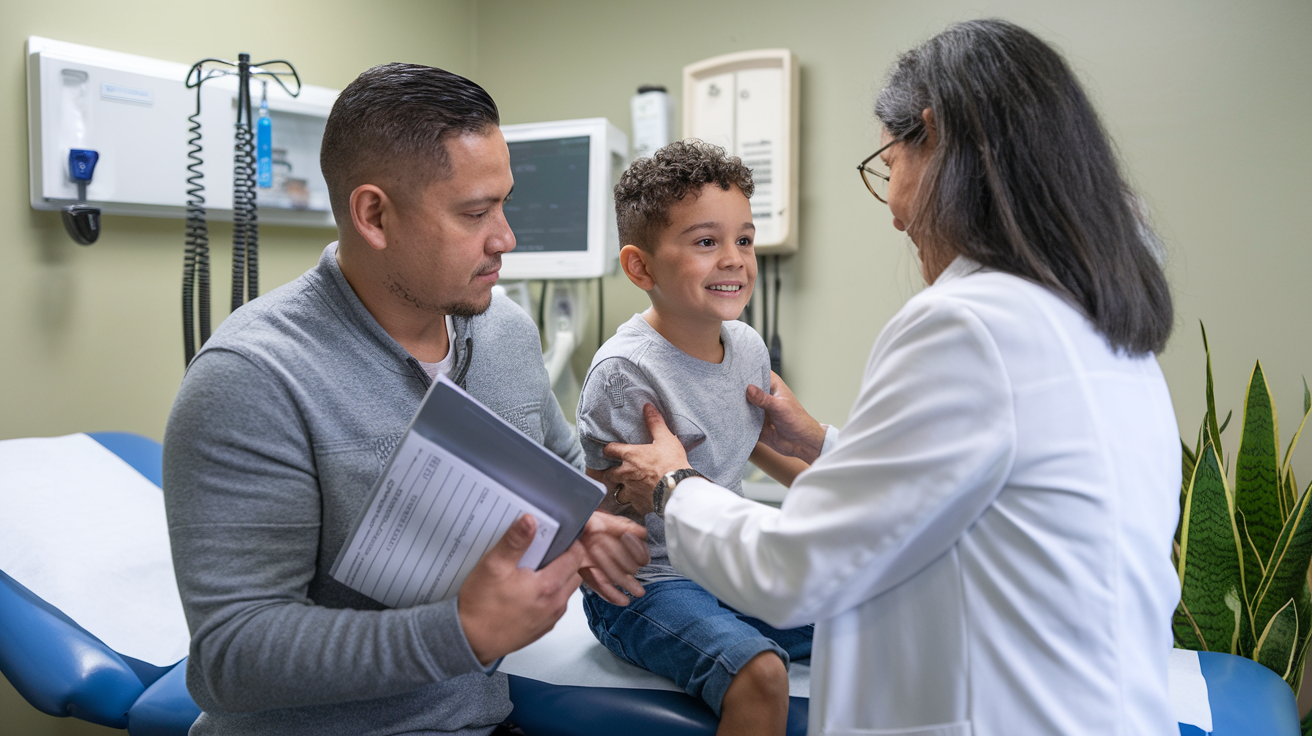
(653, 119)
(81, 220)
(132, 110)
(747, 102)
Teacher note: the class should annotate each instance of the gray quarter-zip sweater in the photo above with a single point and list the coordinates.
(281, 426)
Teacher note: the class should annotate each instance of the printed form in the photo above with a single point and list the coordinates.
(432, 518)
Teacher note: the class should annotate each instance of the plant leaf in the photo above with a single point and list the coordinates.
(1250, 552)
(1286, 468)
(1211, 561)
(1275, 648)
(1188, 460)
(1303, 606)
(1287, 571)
(1257, 475)
(1187, 635)
(1289, 493)
(1226, 423)
(1213, 431)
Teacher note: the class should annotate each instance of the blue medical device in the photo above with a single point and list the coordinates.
(81, 220)
(81, 166)
(264, 143)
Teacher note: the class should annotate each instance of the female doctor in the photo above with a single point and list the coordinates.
(985, 546)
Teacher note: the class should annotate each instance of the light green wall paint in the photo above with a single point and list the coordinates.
(1207, 101)
(91, 338)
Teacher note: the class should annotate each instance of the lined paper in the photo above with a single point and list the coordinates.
(432, 519)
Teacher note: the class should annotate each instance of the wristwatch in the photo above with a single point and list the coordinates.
(665, 487)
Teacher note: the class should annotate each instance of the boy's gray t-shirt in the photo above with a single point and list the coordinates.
(704, 404)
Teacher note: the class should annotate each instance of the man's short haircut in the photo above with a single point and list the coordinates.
(389, 127)
(649, 188)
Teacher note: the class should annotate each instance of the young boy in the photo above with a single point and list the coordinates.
(687, 224)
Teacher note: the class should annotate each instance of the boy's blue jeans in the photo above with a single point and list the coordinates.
(681, 631)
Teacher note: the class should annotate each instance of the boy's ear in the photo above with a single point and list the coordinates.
(634, 262)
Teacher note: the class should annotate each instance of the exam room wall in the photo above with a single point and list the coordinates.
(91, 338)
(1207, 101)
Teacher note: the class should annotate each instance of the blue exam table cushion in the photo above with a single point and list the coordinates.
(1246, 699)
(86, 532)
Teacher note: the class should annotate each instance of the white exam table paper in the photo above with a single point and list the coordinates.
(570, 655)
(1188, 689)
(86, 532)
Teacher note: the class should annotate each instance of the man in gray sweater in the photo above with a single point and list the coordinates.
(288, 414)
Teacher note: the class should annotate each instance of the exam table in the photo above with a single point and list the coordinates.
(133, 676)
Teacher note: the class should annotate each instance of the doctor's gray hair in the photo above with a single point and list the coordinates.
(389, 128)
(1023, 178)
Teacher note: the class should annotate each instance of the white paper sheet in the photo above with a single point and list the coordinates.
(570, 655)
(1188, 690)
(432, 519)
(86, 532)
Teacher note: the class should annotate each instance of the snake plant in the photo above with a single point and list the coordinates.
(1243, 548)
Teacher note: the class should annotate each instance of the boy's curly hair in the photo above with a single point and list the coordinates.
(650, 186)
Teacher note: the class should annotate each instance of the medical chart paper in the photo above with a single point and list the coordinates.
(434, 508)
(453, 486)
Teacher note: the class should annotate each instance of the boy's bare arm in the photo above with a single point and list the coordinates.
(780, 467)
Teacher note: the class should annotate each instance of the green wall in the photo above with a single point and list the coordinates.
(1208, 102)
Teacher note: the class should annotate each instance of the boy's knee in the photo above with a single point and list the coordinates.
(763, 677)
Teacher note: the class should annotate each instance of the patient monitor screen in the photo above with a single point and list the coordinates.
(549, 208)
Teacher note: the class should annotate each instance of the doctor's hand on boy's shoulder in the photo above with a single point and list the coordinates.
(504, 607)
(788, 429)
(642, 466)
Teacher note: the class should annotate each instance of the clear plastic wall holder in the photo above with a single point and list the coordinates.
(133, 111)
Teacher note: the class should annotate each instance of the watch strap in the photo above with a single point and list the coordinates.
(666, 485)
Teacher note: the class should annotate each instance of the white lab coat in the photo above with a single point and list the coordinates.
(985, 546)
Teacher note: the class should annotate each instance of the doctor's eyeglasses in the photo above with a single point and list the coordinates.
(875, 173)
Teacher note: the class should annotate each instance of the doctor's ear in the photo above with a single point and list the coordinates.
(634, 262)
(371, 209)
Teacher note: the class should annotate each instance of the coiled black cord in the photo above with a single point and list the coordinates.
(245, 240)
(196, 260)
(245, 226)
(243, 203)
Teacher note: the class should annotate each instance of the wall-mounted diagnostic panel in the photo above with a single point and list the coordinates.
(747, 102)
(562, 211)
(132, 112)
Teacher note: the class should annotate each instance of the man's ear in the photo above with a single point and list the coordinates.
(634, 262)
(371, 209)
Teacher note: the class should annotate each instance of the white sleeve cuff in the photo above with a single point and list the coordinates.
(831, 438)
